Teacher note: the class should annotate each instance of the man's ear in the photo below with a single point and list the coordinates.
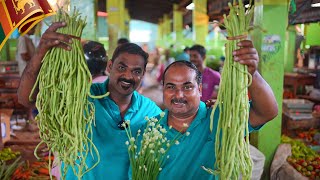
(200, 89)
(109, 66)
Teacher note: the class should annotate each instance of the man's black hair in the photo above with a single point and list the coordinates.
(131, 48)
(96, 57)
(186, 49)
(200, 49)
(122, 41)
(188, 64)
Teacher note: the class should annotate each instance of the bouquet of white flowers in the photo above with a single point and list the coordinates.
(148, 152)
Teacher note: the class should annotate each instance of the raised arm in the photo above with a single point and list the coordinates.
(264, 105)
(48, 40)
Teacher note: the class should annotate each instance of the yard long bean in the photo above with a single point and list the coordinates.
(65, 113)
(232, 150)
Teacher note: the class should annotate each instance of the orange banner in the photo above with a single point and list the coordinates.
(21, 14)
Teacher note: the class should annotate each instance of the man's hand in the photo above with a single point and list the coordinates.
(210, 102)
(51, 38)
(247, 55)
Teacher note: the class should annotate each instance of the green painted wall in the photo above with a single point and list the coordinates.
(290, 54)
(273, 17)
(313, 34)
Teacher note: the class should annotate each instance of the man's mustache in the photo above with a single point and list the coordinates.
(127, 80)
(178, 101)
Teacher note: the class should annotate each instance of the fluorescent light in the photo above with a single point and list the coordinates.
(247, 5)
(190, 6)
(315, 5)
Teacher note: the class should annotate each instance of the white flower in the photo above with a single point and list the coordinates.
(162, 114)
(151, 151)
(124, 125)
(168, 144)
(151, 145)
(162, 150)
(177, 142)
(127, 122)
(139, 131)
(185, 125)
(140, 167)
(187, 133)
(127, 143)
(168, 157)
(132, 139)
(163, 130)
(146, 118)
(170, 127)
(152, 124)
(160, 169)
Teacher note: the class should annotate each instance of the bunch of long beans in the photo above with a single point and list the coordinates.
(232, 150)
(65, 113)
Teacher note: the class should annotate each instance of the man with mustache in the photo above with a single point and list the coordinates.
(186, 113)
(126, 68)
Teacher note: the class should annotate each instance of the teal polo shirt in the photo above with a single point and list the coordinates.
(109, 139)
(196, 150)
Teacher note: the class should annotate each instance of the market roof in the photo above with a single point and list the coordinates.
(152, 10)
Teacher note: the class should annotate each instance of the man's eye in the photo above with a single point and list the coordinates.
(121, 68)
(169, 87)
(188, 87)
(137, 72)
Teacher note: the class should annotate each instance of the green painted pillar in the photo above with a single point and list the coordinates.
(271, 15)
(88, 9)
(200, 21)
(126, 23)
(166, 30)
(159, 41)
(116, 23)
(290, 51)
(177, 24)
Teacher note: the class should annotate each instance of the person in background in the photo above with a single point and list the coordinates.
(122, 41)
(210, 78)
(184, 56)
(25, 50)
(185, 113)
(96, 57)
(126, 67)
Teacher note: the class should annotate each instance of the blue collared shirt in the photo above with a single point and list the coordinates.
(196, 150)
(109, 139)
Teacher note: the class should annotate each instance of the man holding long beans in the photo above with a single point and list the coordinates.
(126, 68)
(181, 93)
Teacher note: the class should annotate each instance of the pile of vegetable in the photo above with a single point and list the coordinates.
(7, 169)
(7, 154)
(303, 159)
(35, 170)
(232, 151)
(65, 113)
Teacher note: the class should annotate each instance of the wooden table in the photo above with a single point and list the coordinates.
(296, 80)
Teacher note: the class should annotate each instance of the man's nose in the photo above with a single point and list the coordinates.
(179, 93)
(128, 74)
